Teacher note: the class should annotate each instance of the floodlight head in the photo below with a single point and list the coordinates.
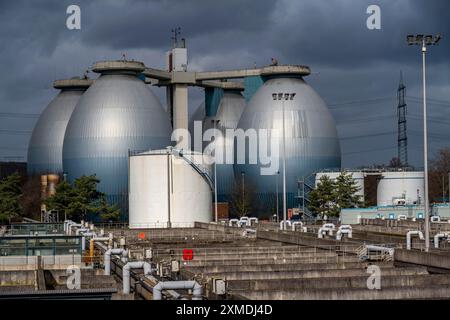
(411, 39)
(419, 39)
(274, 96)
(286, 96)
(280, 96)
(437, 38)
(292, 95)
(429, 40)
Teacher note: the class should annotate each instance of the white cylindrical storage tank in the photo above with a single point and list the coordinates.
(358, 177)
(406, 185)
(169, 189)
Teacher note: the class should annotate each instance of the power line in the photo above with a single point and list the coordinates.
(18, 115)
(359, 102)
(369, 135)
(370, 150)
(14, 132)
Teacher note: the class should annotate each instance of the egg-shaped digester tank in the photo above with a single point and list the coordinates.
(229, 111)
(46, 143)
(118, 113)
(311, 140)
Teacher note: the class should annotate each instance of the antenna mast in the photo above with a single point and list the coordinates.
(402, 140)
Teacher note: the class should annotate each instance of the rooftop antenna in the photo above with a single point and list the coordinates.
(175, 33)
(402, 139)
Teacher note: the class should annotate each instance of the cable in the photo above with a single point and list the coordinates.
(350, 103)
(368, 135)
(18, 115)
(369, 150)
(15, 132)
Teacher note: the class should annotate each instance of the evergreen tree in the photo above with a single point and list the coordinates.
(80, 198)
(345, 189)
(322, 197)
(10, 193)
(107, 212)
(330, 196)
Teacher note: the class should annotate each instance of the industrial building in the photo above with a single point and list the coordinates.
(92, 125)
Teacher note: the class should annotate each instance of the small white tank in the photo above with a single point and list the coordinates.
(405, 187)
(169, 189)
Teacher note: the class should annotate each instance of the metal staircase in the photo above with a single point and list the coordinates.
(305, 186)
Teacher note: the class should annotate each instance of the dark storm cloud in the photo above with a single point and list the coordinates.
(349, 62)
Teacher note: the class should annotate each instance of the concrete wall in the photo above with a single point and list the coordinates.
(17, 278)
(31, 262)
(430, 260)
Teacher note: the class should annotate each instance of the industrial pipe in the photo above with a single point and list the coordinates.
(439, 236)
(283, 222)
(435, 219)
(72, 224)
(81, 230)
(408, 237)
(197, 290)
(98, 239)
(66, 222)
(231, 221)
(344, 229)
(295, 223)
(126, 272)
(251, 220)
(326, 228)
(83, 238)
(107, 258)
(243, 221)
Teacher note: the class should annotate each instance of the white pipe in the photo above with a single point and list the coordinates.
(251, 220)
(72, 224)
(283, 222)
(295, 223)
(66, 222)
(408, 237)
(230, 223)
(439, 236)
(86, 235)
(435, 219)
(126, 272)
(321, 232)
(197, 290)
(107, 258)
(344, 229)
(81, 230)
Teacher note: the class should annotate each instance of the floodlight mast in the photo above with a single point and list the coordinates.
(283, 97)
(425, 41)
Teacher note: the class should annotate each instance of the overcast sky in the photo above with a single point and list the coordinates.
(356, 70)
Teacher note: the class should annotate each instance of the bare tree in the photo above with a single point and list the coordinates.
(31, 198)
(242, 198)
(438, 175)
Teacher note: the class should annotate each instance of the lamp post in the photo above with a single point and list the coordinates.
(243, 192)
(276, 184)
(425, 41)
(216, 214)
(281, 96)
